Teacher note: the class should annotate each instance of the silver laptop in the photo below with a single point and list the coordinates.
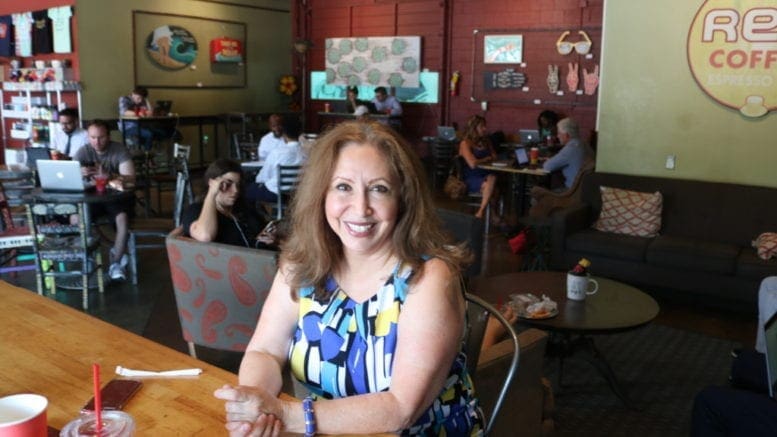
(62, 176)
(529, 136)
(770, 329)
(521, 157)
(446, 133)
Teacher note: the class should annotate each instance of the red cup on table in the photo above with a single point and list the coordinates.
(100, 182)
(534, 155)
(23, 415)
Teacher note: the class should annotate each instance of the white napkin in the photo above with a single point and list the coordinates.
(181, 372)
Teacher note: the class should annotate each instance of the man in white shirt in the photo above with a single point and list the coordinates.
(272, 139)
(290, 153)
(386, 104)
(70, 136)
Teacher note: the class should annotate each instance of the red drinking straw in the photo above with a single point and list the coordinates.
(98, 402)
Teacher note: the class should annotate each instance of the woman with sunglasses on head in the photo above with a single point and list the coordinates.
(222, 216)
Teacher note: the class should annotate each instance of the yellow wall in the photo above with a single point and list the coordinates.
(650, 106)
(106, 56)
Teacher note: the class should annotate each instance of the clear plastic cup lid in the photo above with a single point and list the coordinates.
(115, 424)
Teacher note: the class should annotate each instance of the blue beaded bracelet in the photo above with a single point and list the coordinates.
(310, 417)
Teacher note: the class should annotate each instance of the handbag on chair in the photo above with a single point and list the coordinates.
(454, 187)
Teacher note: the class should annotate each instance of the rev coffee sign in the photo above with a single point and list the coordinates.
(732, 53)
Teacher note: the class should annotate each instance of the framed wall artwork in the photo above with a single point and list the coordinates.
(172, 51)
(389, 61)
(503, 49)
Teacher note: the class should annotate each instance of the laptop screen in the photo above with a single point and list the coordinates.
(529, 136)
(447, 133)
(36, 153)
(521, 156)
(770, 329)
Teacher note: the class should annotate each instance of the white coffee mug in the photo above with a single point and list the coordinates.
(578, 286)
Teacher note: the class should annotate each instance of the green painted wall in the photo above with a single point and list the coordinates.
(650, 106)
(106, 55)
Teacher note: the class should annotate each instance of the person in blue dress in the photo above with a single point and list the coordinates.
(476, 149)
(366, 308)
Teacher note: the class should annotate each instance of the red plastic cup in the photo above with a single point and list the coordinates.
(114, 424)
(100, 182)
(23, 415)
(534, 155)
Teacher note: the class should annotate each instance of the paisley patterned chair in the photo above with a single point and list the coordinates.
(219, 290)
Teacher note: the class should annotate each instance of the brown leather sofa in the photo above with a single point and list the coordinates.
(703, 254)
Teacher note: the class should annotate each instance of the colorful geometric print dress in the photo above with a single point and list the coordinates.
(345, 348)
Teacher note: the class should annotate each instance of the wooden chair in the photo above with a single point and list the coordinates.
(219, 290)
(478, 313)
(158, 228)
(545, 201)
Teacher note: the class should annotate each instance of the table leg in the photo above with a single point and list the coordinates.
(564, 345)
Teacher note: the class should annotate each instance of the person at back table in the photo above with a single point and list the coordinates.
(136, 104)
(265, 188)
(386, 104)
(222, 215)
(113, 159)
(366, 307)
(352, 100)
(273, 139)
(476, 149)
(70, 137)
(571, 158)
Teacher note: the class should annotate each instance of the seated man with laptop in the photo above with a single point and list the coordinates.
(112, 158)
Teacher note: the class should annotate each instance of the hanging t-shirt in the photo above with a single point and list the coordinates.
(6, 36)
(22, 23)
(60, 19)
(41, 33)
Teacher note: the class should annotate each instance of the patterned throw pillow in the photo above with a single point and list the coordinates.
(630, 212)
(766, 244)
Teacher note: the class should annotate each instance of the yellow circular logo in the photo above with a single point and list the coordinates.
(732, 53)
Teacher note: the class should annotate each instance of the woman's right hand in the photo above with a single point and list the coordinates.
(266, 425)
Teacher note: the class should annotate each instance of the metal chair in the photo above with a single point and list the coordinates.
(288, 176)
(167, 181)
(14, 239)
(69, 245)
(478, 313)
(160, 227)
(443, 153)
(244, 148)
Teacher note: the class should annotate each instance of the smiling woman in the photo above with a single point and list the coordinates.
(365, 256)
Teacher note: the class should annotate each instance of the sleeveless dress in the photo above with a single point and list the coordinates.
(474, 177)
(345, 348)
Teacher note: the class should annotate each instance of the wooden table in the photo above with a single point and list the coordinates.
(616, 307)
(48, 348)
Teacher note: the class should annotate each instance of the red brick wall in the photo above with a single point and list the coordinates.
(446, 28)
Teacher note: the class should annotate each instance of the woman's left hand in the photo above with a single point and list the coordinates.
(251, 405)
